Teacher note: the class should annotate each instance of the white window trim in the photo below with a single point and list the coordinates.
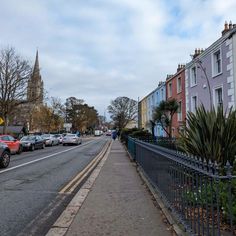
(179, 88)
(170, 92)
(213, 63)
(191, 76)
(192, 103)
(180, 114)
(214, 94)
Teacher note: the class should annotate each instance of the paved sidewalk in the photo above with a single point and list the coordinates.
(118, 203)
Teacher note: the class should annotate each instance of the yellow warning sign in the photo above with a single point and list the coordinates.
(1, 120)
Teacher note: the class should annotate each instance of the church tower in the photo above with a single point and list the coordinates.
(35, 84)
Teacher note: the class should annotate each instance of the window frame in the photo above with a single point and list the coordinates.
(169, 89)
(179, 85)
(214, 95)
(179, 113)
(191, 76)
(214, 62)
(194, 96)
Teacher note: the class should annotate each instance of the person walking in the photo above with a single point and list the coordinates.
(114, 135)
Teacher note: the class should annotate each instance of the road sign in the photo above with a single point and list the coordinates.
(1, 121)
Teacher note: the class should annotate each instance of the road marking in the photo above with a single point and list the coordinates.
(71, 186)
(42, 158)
(62, 224)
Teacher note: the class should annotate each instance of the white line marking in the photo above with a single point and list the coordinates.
(42, 158)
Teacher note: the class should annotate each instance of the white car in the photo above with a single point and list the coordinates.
(50, 139)
(71, 139)
(59, 137)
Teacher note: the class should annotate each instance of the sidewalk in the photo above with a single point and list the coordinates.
(118, 203)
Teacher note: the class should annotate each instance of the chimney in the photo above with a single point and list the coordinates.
(179, 68)
(230, 25)
(226, 28)
(197, 52)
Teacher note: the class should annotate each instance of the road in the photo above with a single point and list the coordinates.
(30, 186)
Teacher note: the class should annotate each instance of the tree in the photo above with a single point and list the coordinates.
(123, 110)
(82, 116)
(163, 114)
(48, 117)
(14, 75)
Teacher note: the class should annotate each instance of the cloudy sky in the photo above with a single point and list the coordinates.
(97, 50)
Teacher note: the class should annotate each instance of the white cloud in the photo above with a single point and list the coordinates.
(99, 50)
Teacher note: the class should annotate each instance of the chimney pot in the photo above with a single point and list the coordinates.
(226, 25)
(230, 25)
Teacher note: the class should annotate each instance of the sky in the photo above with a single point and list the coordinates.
(98, 50)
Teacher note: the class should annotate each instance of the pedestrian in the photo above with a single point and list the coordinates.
(114, 135)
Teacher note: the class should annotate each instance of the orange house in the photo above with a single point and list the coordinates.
(175, 88)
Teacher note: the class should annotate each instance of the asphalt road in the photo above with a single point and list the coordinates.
(29, 187)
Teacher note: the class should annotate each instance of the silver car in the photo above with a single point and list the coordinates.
(71, 139)
(50, 139)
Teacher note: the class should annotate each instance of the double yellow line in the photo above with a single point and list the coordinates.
(74, 183)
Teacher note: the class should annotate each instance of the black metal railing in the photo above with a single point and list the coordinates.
(201, 195)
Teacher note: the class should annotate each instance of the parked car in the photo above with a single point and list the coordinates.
(71, 139)
(50, 139)
(5, 155)
(32, 142)
(13, 144)
(59, 137)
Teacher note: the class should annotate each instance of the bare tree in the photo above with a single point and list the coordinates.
(14, 75)
(123, 110)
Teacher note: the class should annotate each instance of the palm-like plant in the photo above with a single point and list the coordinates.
(163, 114)
(210, 135)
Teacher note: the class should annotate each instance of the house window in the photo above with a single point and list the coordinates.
(193, 103)
(179, 114)
(179, 87)
(162, 94)
(169, 90)
(218, 97)
(193, 77)
(217, 66)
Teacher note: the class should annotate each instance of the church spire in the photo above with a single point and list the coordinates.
(35, 84)
(36, 66)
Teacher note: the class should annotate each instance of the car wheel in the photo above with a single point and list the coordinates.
(20, 150)
(5, 159)
(32, 147)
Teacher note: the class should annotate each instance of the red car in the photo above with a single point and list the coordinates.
(13, 144)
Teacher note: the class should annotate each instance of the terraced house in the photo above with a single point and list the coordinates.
(147, 106)
(175, 89)
(210, 76)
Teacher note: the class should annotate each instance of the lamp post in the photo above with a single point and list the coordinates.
(199, 62)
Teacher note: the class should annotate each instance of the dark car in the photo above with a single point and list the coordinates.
(32, 142)
(5, 155)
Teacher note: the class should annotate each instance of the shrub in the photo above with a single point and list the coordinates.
(211, 135)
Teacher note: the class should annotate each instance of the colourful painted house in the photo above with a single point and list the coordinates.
(210, 78)
(175, 89)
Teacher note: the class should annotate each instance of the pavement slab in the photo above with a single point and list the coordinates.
(119, 203)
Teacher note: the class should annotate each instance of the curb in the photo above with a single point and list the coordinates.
(62, 224)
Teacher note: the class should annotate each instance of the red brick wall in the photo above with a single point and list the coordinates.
(179, 96)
